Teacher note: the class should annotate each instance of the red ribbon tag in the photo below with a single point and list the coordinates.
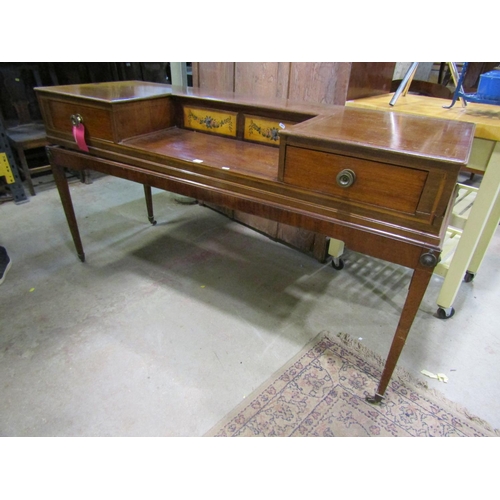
(79, 135)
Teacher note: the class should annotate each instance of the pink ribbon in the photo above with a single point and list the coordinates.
(79, 135)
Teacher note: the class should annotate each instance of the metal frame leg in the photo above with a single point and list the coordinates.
(336, 250)
(405, 83)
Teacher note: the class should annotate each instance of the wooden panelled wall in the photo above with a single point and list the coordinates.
(316, 82)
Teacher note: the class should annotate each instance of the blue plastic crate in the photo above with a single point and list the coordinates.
(489, 85)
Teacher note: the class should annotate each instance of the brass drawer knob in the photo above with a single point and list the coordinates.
(346, 178)
(76, 120)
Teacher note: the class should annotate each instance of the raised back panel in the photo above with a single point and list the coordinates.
(214, 121)
(265, 130)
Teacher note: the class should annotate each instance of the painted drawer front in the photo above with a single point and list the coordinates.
(209, 120)
(97, 121)
(263, 129)
(380, 184)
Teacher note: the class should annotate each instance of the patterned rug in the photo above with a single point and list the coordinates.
(321, 392)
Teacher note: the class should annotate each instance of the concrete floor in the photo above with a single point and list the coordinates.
(164, 329)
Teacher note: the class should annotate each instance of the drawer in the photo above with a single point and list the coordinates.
(107, 121)
(374, 183)
(97, 120)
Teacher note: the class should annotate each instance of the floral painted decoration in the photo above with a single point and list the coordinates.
(211, 123)
(269, 133)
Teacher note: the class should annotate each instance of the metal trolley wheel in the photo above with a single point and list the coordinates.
(337, 264)
(445, 313)
(468, 277)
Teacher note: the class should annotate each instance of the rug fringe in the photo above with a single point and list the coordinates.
(399, 373)
(403, 376)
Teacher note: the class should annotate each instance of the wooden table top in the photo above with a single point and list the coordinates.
(486, 117)
(126, 91)
(412, 136)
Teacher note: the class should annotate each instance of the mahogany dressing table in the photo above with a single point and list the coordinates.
(383, 183)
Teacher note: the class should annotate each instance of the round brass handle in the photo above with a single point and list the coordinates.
(346, 178)
(76, 120)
